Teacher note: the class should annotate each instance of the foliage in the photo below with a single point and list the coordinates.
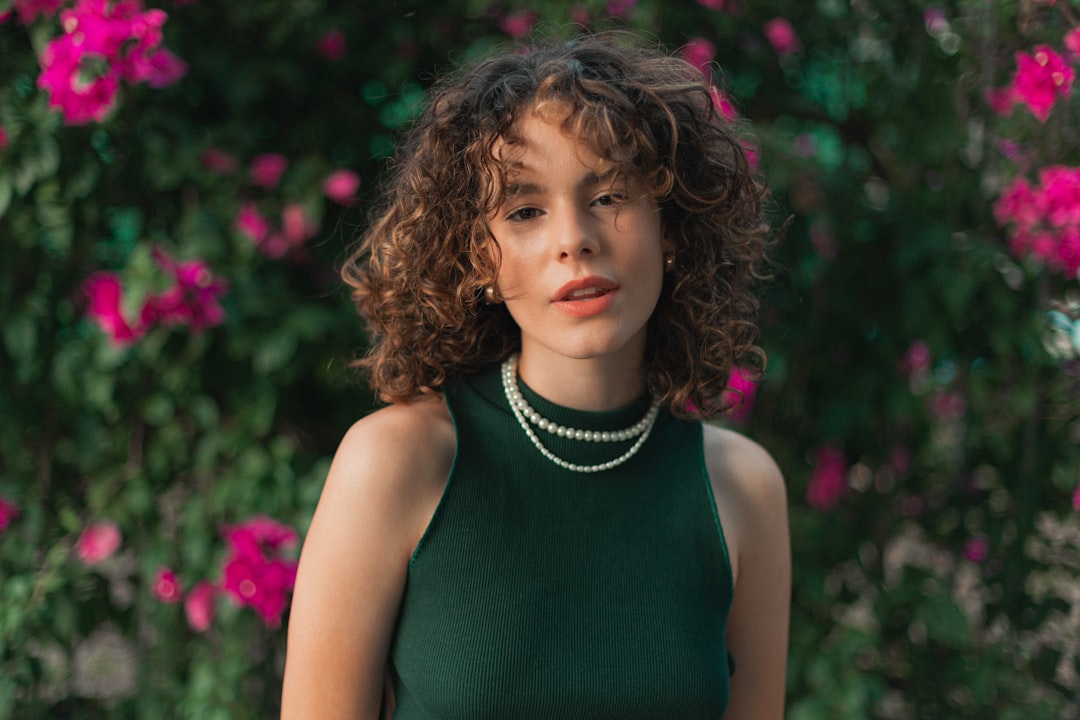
(174, 339)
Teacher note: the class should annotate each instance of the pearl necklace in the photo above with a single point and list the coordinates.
(525, 414)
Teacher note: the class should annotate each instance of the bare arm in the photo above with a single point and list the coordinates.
(380, 494)
(752, 503)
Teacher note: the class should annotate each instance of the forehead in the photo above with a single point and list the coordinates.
(541, 137)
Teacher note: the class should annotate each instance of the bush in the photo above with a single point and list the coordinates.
(176, 191)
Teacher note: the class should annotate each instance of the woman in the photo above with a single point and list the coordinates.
(539, 524)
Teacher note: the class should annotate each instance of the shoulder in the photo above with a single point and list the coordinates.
(749, 488)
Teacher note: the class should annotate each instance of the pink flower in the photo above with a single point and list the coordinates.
(341, 186)
(620, 8)
(255, 573)
(98, 541)
(723, 104)
(1060, 200)
(1072, 43)
(1019, 204)
(30, 10)
(102, 43)
(297, 224)
(5, 16)
(700, 53)
(166, 587)
(199, 606)
(267, 169)
(740, 396)
(8, 512)
(331, 46)
(977, 549)
(781, 35)
(828, 483)
(105, 295)
(1040, 79)
(918, 358)
(218, 161)
(518, 25)
(251, 223)
(3, 138)
(193, 299)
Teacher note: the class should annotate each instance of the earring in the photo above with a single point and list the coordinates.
(489, 295)
(669, 262)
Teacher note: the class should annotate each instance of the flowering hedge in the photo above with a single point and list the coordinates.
(178, 179)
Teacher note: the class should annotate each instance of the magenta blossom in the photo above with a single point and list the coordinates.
(8, 512)
(341, 186)
(98, 541)
(256, 574)
(723, 104)
(331, 46)
(106, 301)
(252, 224)
(267, 169)
(166, 587)
(620, 8)
(740, 395)
(700, 53)
(3, 139)
(191, 301)
(781, 35)
(199, 606)
(518, 25)
(218, 161)
(828, 481)
(1040, 79)
(297, 225)
(103, 43)
(977, 549)
(30, 10)
(1072, 43)
(1044, 219)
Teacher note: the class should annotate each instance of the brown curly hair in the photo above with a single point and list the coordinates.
(419, 272)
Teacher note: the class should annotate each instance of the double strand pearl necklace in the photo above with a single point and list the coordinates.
(525, 415)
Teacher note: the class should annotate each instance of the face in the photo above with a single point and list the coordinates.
(582, 252)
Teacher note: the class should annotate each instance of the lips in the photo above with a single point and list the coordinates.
(584, 289)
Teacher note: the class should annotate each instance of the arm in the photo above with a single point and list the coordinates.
(380, 494)
(752, 504)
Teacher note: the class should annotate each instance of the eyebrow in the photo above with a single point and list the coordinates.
(517, 189)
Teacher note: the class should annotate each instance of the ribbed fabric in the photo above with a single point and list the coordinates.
(537, 592)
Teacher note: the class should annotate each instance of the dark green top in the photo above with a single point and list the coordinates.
(537, 592)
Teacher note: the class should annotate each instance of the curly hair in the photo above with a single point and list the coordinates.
(419, 272)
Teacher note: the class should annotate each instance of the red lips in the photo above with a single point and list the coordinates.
(584, 289)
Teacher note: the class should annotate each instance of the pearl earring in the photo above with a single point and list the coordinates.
(489, 295)
(669, 261)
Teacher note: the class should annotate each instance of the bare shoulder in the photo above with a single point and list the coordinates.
(384, 484)
(749, 488)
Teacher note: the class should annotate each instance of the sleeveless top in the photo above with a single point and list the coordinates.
(537, 592)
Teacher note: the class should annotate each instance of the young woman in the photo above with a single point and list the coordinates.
(539, 524)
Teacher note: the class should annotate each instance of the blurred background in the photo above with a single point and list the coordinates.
(179, 180)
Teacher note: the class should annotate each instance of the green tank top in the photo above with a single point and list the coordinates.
(537, 592)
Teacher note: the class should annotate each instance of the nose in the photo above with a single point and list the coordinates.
(576, 233)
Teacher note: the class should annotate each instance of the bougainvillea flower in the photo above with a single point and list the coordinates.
(740, 396)
(518, 25)
(98, 541)
(723, 104)
(166, 587)
(781, 35)
(700, 53)
(1072, 43)
(1060, 201)
(8, 512)
(1044, 219)
(331, 46)
(251, 223)
(199, 606)
(1040, 79)
(255, 573)
(620, 8)
(30, 10)
(193, 298)
(3, 138)
(82, 85)
(267, 169)
(828, 481)
(977, 549)
(341, 186)
(297, 225)
(106, 299)
(218, 161)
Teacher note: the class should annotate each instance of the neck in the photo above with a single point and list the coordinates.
(598, 383)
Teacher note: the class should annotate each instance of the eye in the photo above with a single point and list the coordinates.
(523, 214)
(612, 198)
